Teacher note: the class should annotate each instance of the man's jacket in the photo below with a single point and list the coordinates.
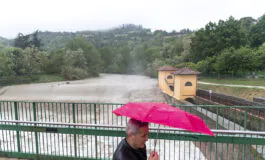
(125, 152)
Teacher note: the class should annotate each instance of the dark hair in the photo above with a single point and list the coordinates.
(134, 125)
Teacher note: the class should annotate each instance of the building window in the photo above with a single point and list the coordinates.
(169, 77)
(188, 84)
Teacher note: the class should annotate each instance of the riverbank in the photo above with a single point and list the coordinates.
(241, 91)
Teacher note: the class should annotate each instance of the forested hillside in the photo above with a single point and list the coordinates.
(120, 35)
(230, 47)
(5, 42)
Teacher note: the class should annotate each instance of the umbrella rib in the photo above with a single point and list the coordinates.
(148, 113)
(192, 124)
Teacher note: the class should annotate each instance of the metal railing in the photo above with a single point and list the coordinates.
(60, 130)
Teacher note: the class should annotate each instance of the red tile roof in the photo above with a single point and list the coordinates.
(166, 68)
(185, 71)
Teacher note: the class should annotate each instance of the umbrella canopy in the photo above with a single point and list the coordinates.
(162, 113)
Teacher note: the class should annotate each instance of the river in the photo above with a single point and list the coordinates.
(113, 88)
(107, 88)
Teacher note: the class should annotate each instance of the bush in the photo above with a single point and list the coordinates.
(9, 80)
(71, 73)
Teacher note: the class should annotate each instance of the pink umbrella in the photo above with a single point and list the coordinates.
(162, 113)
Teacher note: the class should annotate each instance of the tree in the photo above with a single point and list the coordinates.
(108, 56)
(203, 43)
(91, 54)
(257, 34)
(125, 60)
(172, 50)
(207, 66)
(139, 62)
(237, 61)
(17, 58)
(74, 65)
(30, 40)
(54, 62)
(36, 42)
(246, 23)
(214, 38)
(186, 47)
(259, 54)
(22, 41)
(6, 64)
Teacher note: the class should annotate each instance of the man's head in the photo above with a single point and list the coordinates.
(137, 133)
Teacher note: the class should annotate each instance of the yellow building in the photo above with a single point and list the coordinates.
(185, 83)
(166, 79)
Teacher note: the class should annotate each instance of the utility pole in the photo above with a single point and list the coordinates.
(210, 92)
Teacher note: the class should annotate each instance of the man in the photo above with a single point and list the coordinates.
(133, 146)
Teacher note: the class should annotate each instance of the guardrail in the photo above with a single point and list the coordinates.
(60, 130)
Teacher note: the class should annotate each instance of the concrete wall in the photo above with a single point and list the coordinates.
(259, 100)
(181, 90)
(164, 81)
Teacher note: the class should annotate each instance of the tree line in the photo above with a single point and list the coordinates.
(234, 47)
(229, 47)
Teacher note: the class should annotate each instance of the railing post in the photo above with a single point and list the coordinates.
(95, 121)
(217, 117)
(217, 123)
(74, 121)
(36, 134)
(245, 128)
(18, 137)
(245, 118)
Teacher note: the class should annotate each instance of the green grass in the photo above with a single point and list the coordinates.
(16, 80)
(240, 81)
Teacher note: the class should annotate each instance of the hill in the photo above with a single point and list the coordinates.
(5, 41)
(116, 36)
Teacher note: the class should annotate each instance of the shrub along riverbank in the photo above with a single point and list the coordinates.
(11, 80)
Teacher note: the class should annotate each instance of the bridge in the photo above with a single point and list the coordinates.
(60, 130)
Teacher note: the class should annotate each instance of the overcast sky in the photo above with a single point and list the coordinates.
(26, 16)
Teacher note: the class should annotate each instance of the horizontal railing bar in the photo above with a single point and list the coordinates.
(178, 105)
(238, 132)
(29, 155)
(256, 140)
(58, 101)
(115, 126)
(59, 123)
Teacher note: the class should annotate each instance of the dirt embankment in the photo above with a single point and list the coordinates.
(246, 93)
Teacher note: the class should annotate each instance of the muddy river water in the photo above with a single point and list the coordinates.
(105, 88)
(113, 88)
